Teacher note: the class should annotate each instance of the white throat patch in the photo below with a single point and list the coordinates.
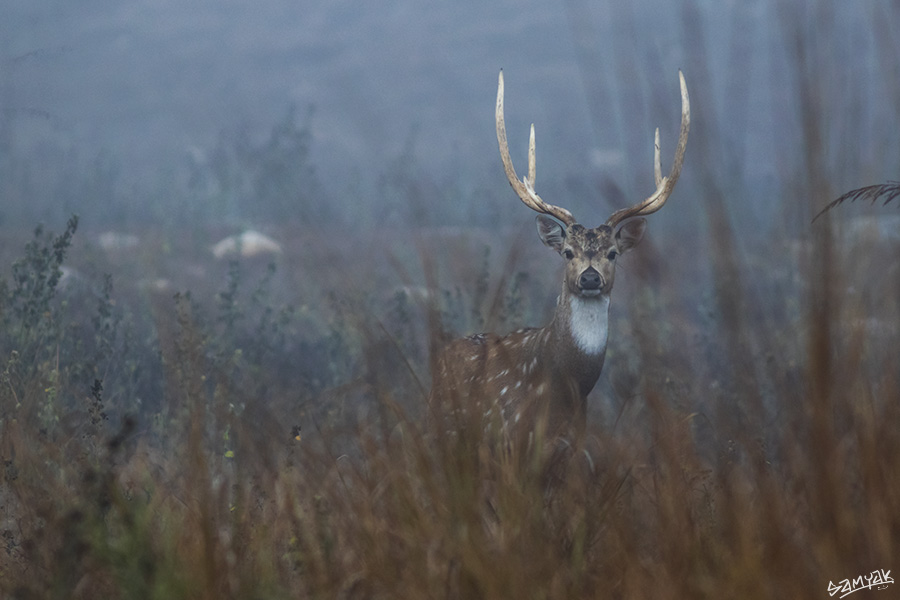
(589, 323)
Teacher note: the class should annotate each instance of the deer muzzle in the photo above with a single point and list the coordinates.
(590, 282)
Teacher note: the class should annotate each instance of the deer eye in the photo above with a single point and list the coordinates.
(568, 254)
(612, 254)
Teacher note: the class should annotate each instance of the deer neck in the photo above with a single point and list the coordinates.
(578, 335)
(587, 323)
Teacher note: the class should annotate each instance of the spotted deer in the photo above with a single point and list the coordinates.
(548, 372)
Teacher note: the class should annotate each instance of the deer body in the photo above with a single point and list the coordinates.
(547, 373)
(530, 368)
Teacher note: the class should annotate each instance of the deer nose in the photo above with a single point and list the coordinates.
(590, 279)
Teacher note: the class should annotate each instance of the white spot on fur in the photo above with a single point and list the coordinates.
(503, 391)
(589, 323)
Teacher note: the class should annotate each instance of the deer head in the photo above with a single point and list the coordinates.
(591, 253)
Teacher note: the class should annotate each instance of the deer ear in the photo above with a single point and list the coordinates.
(629, 235)
(551, 232)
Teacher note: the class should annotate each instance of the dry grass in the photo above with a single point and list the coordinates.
(752, 453)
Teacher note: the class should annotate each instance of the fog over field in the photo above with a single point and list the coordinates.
(144, 92)
(261, 222)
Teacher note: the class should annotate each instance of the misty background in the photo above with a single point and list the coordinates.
(381, 113)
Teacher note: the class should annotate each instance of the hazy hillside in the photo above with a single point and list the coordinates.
(153, 84)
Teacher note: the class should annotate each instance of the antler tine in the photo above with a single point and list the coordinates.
(524, 188)
(657, 168)
(664, 185)
(532, 162)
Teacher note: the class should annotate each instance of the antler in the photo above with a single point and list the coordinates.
(525, 187)
(664, 185)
